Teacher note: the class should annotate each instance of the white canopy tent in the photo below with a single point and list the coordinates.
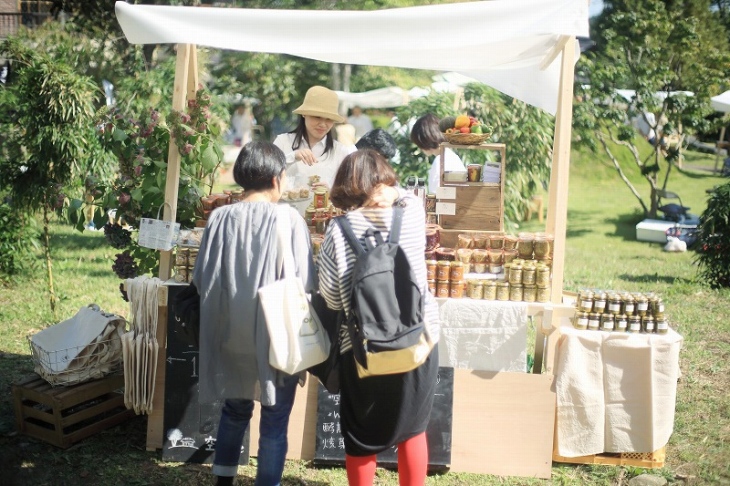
(526, 49)
(721, 103)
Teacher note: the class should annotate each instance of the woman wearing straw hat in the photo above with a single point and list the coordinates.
(310, 149)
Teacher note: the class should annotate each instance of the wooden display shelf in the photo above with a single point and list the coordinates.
(649, 460)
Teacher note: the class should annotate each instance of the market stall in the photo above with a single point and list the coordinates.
(529, 53)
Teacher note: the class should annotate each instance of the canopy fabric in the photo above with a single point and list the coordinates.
(721, 102)
(502, 43)
(377, 98)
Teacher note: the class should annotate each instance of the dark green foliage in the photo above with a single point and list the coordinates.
(117, 236)
(18, 238)
(713, 242)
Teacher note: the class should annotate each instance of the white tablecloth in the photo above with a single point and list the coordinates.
(616, 392)
(483, 335)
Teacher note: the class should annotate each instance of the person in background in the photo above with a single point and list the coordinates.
(310, 149)
(360, 121)
(238, 254)
(427, 137)
(379, 412)
(242, 122)
(380, 141)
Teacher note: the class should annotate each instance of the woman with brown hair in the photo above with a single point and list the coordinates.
(379, 412)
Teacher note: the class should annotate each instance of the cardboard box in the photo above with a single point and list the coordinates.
(654, 230)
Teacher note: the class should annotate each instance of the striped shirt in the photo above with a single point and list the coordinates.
(336, 259)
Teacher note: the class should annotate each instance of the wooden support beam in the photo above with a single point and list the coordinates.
(186, 83)
(558, 191)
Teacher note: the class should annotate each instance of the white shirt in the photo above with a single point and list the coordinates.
(452, 164)
(362, 124)
(326, 167)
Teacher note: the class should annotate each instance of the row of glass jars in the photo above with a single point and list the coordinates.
(617, 303)
(526, 245)
(503, 290)
(595, 321)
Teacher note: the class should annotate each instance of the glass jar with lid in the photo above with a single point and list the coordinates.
(525, 245)
(496, 241)
(432, 287)
(541, 246)
(542, 275)
(443, 270)
(658, 308)
(634, 324)
(599, 302)
(529, 293)
(442, 288)
(515, 274)
(528, 274)
(629, 304)
(515, 292)
(474, 289)
(490, 289)
(622, 323)
(585, 300)
(456, 289)
(456, 273)
(614, 304)
(608, 322)
(431, 269)
(594, 321)
(509, 242)
(642, 305)
(446, 254)
(543, 294)
(648, 324)
(662, 326)
(580, 320)
(503, 290)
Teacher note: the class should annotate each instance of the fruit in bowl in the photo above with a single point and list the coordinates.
(465, 130)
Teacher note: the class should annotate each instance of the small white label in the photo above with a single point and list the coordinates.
(608, 326)
(662, 325)
(649, 327)
(635, 327)
(643, 306)
(446, 193)
(614, 307)
(621, 325)
(583, 322)
(629, 309)
(448, 209)
(592, 324)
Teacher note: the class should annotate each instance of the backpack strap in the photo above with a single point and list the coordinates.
(349, 235)
(396, 225)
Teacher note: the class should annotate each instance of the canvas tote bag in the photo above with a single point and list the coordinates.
(298, 339)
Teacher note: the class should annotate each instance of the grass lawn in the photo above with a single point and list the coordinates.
(601, 253)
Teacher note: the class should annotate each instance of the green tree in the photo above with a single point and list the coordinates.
(659, 49)
(51, 137)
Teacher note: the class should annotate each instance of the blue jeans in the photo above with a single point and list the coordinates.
(273, 443)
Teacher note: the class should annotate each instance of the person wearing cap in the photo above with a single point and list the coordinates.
(310, 148)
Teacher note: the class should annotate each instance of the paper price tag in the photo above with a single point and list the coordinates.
(446, 193)
(448, 209)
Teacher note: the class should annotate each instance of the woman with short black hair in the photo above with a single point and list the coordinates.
(428, 137)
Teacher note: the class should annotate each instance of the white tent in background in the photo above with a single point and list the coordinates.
(377, 98)
(721, 102)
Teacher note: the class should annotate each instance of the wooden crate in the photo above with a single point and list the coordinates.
(649, 460)
(62, 415)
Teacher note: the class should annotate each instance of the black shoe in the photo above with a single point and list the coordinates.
(225, 481)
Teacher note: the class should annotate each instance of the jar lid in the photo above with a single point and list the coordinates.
(456, 264)
(431, 262)
(444, 263)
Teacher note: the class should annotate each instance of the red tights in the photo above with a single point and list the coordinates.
(412, 464)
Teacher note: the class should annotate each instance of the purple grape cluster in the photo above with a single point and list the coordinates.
(125, 266)
(117, 236)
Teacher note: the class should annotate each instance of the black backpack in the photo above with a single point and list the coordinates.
(386, 322)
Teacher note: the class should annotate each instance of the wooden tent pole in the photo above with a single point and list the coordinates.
(558, 193)
(186, 82)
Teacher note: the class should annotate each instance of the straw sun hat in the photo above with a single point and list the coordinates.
(322, 102)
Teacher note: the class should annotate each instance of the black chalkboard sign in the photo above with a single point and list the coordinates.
(189, 427)
(330, 446)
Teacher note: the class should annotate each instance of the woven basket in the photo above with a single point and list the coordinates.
(467, 138)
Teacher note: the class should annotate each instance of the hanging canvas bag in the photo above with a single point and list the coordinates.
(298, 340)
(157, 234)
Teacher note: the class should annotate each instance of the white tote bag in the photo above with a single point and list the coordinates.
(298, 340)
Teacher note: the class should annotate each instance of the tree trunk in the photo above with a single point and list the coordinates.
(49, 264)
(346, 75)
(621, 174)
(336, 77)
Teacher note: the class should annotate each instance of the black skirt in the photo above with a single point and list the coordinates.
(379, 412)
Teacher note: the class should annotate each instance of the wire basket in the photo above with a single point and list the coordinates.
(77, 364)
(467, 138)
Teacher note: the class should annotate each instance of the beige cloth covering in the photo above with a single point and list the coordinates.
(616, 392)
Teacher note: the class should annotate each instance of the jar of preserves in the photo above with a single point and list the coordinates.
(456, 273)
(585, 300)
(431, 269)
(543, 294)
(432, 287)
(599, 302)
(490, 289)
(496, 241)
(464, 240)
(528, 274)
(445, 254)
(509, 242)
(525, 243)
(515, 274)
(658, 308)
(662, 326)
(629, 304)
(580, 320)
(474, 289)
(515, 293)
(634, 324)
(648, 324)
(608, 322)
(432, 218)
(456, 289)
(614, 304)
(442, 288)
(321, 198)
(541, 247)
(642, 305)
(474, 172)
(430, 203)
(502, 290)
(509, 255)
(432, 238)
(594, 321)
(622, 323)
(481, 241)
(443, 270)
(529, 293)
(309, 215)
(542, 276)
(464, 256)
(320, 224)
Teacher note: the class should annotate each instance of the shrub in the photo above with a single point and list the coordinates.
(18, 238)
(713, 239)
